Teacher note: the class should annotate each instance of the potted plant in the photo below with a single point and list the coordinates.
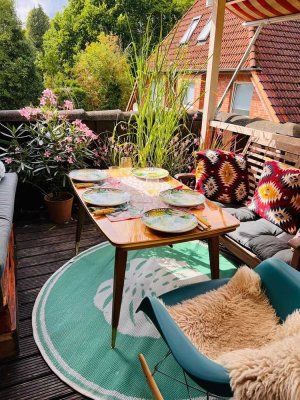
(44, 151)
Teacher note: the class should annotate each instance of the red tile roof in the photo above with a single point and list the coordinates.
(235, 39)
(277, 55)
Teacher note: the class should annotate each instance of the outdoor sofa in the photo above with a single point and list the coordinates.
(258, 239)
(8, 298)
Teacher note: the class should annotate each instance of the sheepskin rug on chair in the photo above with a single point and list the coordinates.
(236, 326)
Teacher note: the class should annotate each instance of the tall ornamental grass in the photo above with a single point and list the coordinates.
(161, 115)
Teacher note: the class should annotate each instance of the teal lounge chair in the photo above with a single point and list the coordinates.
(282, 286)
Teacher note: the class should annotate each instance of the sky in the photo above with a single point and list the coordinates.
(50, 7)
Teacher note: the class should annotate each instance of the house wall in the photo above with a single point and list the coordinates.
(257, 108)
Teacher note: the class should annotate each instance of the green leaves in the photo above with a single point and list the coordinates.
(37, 24)
(20, 83)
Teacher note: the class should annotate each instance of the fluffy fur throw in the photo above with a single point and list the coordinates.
(237, 327)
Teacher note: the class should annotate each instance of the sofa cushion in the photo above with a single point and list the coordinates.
(251, 229)
(284, 255)
(222, 176)
(2, 170)
(277, 196)
(7, 197)
(267, 246)
(243, 214)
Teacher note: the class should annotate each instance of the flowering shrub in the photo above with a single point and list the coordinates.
(44, 151)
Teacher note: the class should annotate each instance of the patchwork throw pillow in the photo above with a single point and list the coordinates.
(222, 176)
(277, 196)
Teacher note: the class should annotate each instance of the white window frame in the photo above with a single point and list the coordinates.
(203, 35)
(234, 94)
(185, 102)
(190, 30)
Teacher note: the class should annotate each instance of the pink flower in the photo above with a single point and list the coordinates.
(48, 98)
(78, 140)
(49, 114)
(47, 153)
(81, 127)
(69, 139)
(68, 105)
(57, 158)
(69, 149)
(8, 160)
(70, 160)
(29, 112)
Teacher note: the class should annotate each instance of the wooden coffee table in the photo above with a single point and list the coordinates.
(133, 234)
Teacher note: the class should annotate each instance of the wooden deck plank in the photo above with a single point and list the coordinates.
(62, 245)
(51, 257)
(44, 388)
(45, 241)
(20, 371)
(27, 376)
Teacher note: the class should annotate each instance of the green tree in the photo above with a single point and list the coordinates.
(20, 83)
(37, 24)
(82, 21)
(103, 72)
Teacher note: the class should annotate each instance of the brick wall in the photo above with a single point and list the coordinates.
(257, 108)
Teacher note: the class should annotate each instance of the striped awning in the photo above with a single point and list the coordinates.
(253, 10)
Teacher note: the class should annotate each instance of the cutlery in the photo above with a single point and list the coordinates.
(84, 185)
(203, 221)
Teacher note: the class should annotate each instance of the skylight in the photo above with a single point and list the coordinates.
(204, 33)
(188, 33)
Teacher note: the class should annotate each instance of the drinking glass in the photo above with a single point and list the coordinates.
(152, 187)
(126, 162)
(126, 165)
(113, 171)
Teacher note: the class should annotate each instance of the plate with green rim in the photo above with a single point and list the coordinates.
(182, 197)
(150, 173)
(105, 197)
(88, 175)
(169, 220)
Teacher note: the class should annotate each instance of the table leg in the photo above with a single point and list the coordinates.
(80, 221)
(214, 256)
(119, 277)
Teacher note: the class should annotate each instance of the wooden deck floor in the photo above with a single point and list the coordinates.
(41, 249)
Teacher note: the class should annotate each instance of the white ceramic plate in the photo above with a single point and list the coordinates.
(169, 220)
(150, 173)
(182, 197)
(105, 197)
(88, 175)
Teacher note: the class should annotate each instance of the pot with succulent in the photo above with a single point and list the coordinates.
(44, 151)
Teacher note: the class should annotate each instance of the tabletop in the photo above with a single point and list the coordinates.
(133, 234)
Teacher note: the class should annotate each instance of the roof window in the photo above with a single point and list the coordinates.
(204, 33)
(188, 33)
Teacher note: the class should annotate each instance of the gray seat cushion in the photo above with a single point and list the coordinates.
(8, 187)
(260, 236)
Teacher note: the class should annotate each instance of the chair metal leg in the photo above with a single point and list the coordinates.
(151, 381)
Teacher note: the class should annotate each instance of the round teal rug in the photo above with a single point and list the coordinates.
(72, 314)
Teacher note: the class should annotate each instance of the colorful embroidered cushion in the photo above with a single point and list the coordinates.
(277, 196)
(222, 176)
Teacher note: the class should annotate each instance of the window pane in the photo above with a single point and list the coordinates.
(185, 38)
(205, 32)
(242, 98)
(190, 95)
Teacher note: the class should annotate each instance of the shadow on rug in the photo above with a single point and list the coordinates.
(71, 319)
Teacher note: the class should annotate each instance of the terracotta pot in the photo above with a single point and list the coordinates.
(60, 208)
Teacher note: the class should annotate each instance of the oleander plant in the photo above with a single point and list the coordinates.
(45, 148)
